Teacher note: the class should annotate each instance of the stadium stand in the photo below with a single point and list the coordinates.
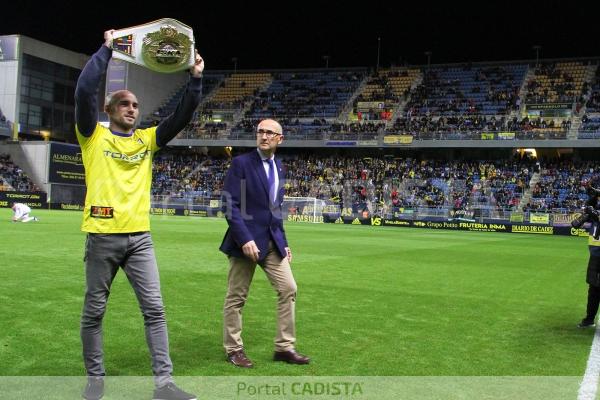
(376, 184)
(560, 186)
(209, 82)
(590, 121)
(560, 82)
(480, 101)
(360, 108)
(388, 86)
(188, 176)
(12, 178)
(461, 102)
(306, 102)
(224, 106)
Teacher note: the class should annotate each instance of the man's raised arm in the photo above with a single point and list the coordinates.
(88, 87)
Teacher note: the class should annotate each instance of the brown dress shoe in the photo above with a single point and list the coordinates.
(290, 357)
(239, 359)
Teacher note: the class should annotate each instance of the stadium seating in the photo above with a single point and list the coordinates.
(12, 178)
(388, 85)
(461, 102)
(238, 87)
(487, 90)
(451, 102)
(209, 82)
(188, 176)
(303, 101)
(560, 187)
(590, 121)
(560, 82)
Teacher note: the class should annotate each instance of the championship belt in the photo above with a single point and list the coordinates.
(165, 45)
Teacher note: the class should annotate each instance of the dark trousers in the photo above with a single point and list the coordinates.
(593, 279)
(592, 303)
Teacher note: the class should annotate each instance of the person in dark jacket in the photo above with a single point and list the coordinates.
(253, 195)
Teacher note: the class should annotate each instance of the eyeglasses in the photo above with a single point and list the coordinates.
(270, 134)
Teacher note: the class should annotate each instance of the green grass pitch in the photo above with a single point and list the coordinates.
(371, 301)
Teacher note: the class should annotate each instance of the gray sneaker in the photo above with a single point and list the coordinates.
(94, 389)
(172, 392)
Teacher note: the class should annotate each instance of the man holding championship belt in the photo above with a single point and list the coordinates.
(118, 175)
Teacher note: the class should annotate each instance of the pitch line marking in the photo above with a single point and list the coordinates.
(589, 384)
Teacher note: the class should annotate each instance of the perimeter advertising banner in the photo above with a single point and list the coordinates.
(365, 106)
(398, 139)
(506, 135)
(191, 210)
(65, 164)
(549, 106)
(563, 219)
(539, 218)
(32, 199)
(462, 226)
(517, 216)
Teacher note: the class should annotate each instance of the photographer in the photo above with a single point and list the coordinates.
(590, 214)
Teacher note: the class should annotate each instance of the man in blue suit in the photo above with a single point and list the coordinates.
(252, 198)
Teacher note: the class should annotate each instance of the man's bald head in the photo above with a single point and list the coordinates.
(113, 99)
(270, 125)
(269, 135)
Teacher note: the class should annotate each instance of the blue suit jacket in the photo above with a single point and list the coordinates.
(248, 210)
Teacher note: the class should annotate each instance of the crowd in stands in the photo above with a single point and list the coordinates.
(12, 176)
(380, 184)
(590, 121)
(224, 105)
(470, 126)
(562, 186)
(383, 88)
(551, 85)
(200, 128)
(464, 123)
(460, 103)
(308, 94)
(389, 184)
(468, 90)
(377, 184)
(188, 176)
(593, 104)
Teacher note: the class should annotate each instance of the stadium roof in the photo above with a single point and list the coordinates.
(301, 34)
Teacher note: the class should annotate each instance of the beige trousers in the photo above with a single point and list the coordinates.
(279, 273)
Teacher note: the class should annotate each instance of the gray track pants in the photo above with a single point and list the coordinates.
(134, 252)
